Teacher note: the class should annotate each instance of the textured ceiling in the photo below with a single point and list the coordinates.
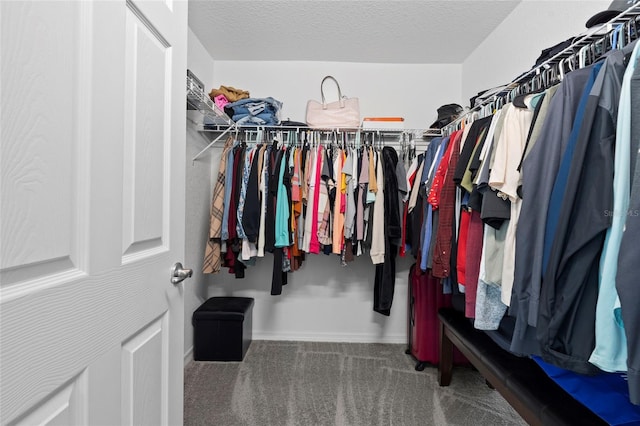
(389, 31)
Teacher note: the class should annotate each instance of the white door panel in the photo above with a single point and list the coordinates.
(92, 211)
(41, 206)
(147, 110)
(144, 378)
(63, 407)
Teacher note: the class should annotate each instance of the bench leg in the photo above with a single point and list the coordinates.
(445, 367)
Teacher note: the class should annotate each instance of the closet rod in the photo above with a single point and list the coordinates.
(592, 37)
(429, 132)
(389, 132)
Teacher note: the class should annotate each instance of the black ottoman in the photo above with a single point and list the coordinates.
(222, 329)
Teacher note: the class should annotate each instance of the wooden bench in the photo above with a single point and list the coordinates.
(536, 397)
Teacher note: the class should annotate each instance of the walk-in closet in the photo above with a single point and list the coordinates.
(319, 212)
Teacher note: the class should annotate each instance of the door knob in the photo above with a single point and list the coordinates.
(179, 274)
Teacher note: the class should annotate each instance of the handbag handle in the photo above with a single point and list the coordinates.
(324, 102)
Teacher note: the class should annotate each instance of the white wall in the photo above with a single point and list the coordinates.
(513, 47)
(198, 198)
(198, 60)
(324, 301)
(408, 90)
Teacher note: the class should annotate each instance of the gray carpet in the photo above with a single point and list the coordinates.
(310, 383)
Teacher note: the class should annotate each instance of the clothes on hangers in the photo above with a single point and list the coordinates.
(557, 258)
(385, 276)
(310, 197)
(542, 162)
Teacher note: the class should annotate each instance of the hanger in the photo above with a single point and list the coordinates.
(313, 136)
(491, 107)
(507, 97)
(633, 29)
(288, 140)
(544, 78)
(571, 62)
(582, 57)
(615, 38)
(606, 44)
(486, 110)
(593, 52)
(550, 76)
(610, 36)
(555, 73)
(561, 70)
(598, 47)
(412, 146)
(533, 83)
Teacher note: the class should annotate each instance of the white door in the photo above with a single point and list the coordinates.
(92, 156)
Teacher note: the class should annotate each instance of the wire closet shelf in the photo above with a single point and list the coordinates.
(216, 120)
(584, 50)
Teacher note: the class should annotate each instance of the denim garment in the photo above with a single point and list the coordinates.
(265, 119)
(256, 111)
(246, 170)
(254, 104)
(428, 209)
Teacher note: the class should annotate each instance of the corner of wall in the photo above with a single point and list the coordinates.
(188, 356)
(198, 197)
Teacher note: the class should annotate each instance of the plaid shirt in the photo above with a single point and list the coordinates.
(212, 257)
(442, 250)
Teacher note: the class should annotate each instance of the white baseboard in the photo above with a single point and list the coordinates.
(188, 356)
(330, 337)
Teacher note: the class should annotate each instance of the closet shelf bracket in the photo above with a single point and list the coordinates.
(220, 136)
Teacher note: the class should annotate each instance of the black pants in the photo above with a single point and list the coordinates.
(278, 278)
(385, 281)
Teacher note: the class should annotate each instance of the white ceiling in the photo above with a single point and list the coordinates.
(391, 31)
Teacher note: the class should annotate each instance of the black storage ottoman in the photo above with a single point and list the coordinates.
(222, 329)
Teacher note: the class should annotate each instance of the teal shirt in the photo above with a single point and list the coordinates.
(282, 209)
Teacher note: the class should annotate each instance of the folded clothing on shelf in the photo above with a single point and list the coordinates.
(262, 112)
(231, 93)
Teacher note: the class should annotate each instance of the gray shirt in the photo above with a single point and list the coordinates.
(539, 171)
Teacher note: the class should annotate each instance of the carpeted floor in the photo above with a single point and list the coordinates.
(310, 383)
